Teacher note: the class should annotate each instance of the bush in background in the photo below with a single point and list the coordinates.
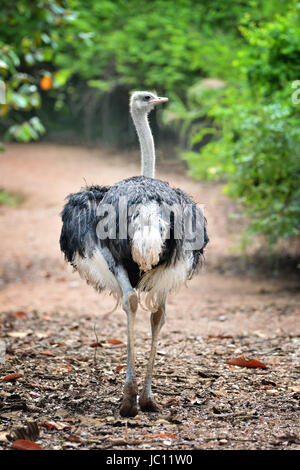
(251, 126)
(30, 33)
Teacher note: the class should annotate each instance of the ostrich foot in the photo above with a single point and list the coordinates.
(129, 402)
(148, 404)
(129, 407)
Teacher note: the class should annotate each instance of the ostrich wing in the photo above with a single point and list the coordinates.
(80, 219)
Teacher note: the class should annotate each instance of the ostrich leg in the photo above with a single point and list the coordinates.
(130, 304)
(146, 401)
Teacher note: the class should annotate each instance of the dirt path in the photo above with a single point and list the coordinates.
(49, 319)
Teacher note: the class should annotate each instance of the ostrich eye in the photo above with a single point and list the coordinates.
(147, 98)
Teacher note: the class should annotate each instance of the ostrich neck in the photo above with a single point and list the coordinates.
(146, 142)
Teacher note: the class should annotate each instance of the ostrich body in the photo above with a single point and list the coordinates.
(128, 239)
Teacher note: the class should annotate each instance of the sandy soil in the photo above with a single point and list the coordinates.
(227, 311)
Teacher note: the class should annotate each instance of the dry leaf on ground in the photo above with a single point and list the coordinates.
(243, 362)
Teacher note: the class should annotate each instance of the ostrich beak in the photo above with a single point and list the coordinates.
(160, 99)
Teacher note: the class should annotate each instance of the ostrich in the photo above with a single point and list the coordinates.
(132, 238)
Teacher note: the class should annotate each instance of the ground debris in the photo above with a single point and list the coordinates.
(30, 432)
(75, 402)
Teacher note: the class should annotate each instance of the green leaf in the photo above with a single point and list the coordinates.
(99, 84)
(3, 65)
(37, 125)
(62, 76)
(19, 100)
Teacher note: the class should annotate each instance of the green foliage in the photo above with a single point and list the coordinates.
(112, 47)
(273, 58)
(9, 199)
(159, 44)
(265, 171)
(256, 143)
(29, 37)
(103, 44)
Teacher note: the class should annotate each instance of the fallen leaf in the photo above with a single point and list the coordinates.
(161, 352)
(11, 377)
(195, 400)
(48, 353)
(260, 334)
(117, 441)
(20, 314)
(64, 369)
(119, 368)
(19, 334)
(220, 392)
(21, 444)
(243, 362)
(43, 334)
(74, 439)
(114, 341)
(220, 336)
(272, 391)
(3, 435)
(50, 425)
(295, 388)
(152, 436)
(173, 400)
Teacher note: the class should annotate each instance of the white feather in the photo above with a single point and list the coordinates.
(96, 272)
(163, 279)
(148, 236)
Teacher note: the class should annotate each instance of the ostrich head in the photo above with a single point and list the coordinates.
(144, 101)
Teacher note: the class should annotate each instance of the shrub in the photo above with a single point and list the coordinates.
(255, 143)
